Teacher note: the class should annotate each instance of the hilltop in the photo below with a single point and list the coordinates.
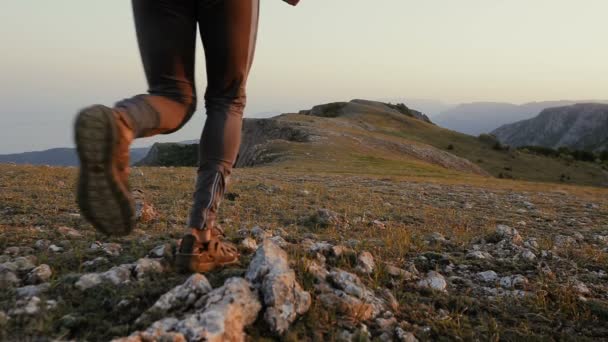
(389, 139)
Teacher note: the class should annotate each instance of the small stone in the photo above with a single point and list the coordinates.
(326, 217)
(528, 255)
(436, 238)
(578, 236)
(161, 251)
(260, 234)
(147, 266)
(27, 306)
(516, 281)
(40, 274)
(320, 247)
(378, 224)
(531, 243)
(118, 275)
(32, 290)
(365, 263)
(24, 264)
(279, 241)
(88, 281)
(303, 192)
(55, 249)
(318, 271)
(405, 336)
(487, 276)
(603, 239)
(112, 249)
(434, 281)
(42, 245)
(249, 244)
(581, 288)
(69, 232)
(563, 241)
(95, 262)
(478, 255)
(397, 272)
(506, 232)
(8, 279)
(12, 251)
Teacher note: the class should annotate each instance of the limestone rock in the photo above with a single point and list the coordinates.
(260, 234)
(117, 275)
(516, 281)
(249, 244)
(147, 266)
(282, 295)
(42, 245)
(434, 281)
(69, 232)
(405, 336)
(562, 241)
(8, 279)
(487, 276)
(221, 315)
(511, 234)
(55, 249)
(478, 255)
(161, 251)
(39, 274)
(179, 298)
(31, 306)
(351, 296)
(365, 263)
(32, 290)
(326, 217)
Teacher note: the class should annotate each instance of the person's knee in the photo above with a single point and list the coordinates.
(227, 93)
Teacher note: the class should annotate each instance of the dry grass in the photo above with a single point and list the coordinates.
(35, 201)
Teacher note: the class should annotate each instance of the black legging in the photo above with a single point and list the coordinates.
(166, 33)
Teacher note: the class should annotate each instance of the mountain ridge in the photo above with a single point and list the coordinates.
(475, 118)
(581, 126)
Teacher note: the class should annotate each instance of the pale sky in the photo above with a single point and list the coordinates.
(59, 56)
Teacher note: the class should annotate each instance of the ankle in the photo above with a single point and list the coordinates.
(201, 235)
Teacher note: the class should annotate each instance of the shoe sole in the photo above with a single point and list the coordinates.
(103, 200)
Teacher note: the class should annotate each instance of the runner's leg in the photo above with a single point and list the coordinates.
(228, 30)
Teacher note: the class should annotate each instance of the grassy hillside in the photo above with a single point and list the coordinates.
(380, 123)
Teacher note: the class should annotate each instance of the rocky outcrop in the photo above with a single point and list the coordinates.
(220, 315)
(283, 297)
(580, 126)
(260, 136)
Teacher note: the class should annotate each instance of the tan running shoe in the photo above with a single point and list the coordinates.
(102, 139)
(196, 256)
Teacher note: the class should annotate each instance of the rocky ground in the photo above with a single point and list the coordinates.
(325, 257)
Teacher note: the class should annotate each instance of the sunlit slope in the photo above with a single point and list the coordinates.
(372, 137)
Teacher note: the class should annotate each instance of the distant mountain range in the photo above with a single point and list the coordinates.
(484, 117)
(580, 126)
(58, 157)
